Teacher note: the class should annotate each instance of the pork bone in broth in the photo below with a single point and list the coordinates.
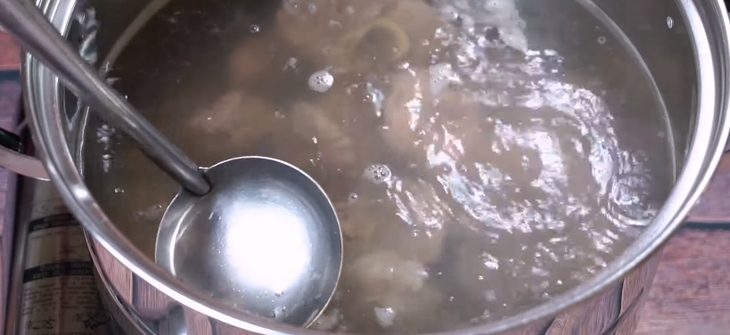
(483, 156)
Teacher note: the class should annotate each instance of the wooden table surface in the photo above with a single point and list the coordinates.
(691, 291)
(9, 53)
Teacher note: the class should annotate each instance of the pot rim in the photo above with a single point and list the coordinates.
(707, 20)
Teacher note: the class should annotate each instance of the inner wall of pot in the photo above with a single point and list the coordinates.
(624, 48)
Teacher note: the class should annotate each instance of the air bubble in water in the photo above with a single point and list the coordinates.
(670, 22)
(377, 173)
(278, 114)
(291, 63)
(449, 13)
(291, 6)
(441, 75)
(254, 28)
(118, 190)
(279, 312)
(384, 316)
(106, 162)
(112, 80)
(601, 40)
(321, 81)
(104, 134)
(493, 5)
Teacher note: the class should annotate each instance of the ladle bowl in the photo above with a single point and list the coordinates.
(268, 247)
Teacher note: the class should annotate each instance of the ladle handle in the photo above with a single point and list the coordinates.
(22, 19)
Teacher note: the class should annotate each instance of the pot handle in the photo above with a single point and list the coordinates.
(13, 159)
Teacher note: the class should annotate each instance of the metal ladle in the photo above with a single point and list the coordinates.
(255, 232)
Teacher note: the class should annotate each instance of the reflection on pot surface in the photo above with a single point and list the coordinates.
(479, 161)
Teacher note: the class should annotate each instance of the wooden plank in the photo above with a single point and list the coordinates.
(592, 317)
(634, 293)
(9, 53)
(691, 291)
(714, 206)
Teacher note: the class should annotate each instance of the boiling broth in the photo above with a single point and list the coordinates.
(483, 156)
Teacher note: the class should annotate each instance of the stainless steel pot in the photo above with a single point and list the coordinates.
(684, 44)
